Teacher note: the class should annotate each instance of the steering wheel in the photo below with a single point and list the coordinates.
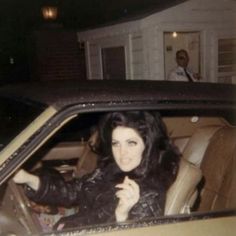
(10, 225)
(21, 218)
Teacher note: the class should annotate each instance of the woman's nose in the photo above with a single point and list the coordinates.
(123, 151)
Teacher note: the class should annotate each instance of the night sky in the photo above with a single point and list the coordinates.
(73, 13)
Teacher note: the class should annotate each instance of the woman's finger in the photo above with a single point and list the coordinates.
(126, 195)
(124, 186)
(131, 183)
(130, 186)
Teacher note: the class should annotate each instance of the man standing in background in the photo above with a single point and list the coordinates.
(182, 72)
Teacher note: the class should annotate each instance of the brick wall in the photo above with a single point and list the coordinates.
(57, 55)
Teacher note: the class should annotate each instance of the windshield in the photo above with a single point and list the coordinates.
(14, 117)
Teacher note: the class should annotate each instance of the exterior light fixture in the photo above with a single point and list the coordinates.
(49, 12)
(174, 34)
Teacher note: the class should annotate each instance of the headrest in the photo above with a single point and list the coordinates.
(198, 143)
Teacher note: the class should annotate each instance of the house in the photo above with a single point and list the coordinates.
(144, 46)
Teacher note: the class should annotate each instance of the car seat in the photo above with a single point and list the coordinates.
(198, 143)
(88, 160)
(183, 192)
(219, 171)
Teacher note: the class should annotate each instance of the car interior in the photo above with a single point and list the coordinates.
(206, 180)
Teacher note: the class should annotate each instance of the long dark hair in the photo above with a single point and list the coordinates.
(159, 157)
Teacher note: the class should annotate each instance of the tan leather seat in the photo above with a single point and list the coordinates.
(213, 149)
(219, 171)
(88, 160)
(196, 147)
(183, 192)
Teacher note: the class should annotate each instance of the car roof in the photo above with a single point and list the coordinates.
(60, 94)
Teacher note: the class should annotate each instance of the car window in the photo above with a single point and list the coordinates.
(73, 152)
(14, 117)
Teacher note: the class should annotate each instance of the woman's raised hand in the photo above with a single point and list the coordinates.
(128, 195)
(24, 177)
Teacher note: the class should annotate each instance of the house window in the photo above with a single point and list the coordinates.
(113, 63)
(226, 60)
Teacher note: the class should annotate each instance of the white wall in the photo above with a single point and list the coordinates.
(94, 57)
(137, 52)
(113, 36)
(212, 18)
(144, 39)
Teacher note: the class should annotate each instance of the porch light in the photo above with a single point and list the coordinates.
(174, 34)
(49, 12)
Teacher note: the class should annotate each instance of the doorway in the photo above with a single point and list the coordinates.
(113, 63)
(190, 41)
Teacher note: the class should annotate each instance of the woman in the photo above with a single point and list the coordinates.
(137, 166)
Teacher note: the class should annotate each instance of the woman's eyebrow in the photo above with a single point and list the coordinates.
(132, 139)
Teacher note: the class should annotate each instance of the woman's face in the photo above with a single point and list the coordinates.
(127, 148)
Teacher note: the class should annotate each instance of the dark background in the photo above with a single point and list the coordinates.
(19, 18)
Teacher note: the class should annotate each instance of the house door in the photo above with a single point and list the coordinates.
(190, 41)
(113, 63)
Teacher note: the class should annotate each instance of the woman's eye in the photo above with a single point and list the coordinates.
(132, 143)
(114, 144)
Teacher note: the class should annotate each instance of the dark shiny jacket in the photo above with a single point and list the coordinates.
(95, 196)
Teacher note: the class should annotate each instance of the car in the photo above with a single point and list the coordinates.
(52, 123)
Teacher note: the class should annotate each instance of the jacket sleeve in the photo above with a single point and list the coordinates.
(56, 191)
(151, 204)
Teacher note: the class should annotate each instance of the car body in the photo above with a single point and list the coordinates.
(49, 123)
